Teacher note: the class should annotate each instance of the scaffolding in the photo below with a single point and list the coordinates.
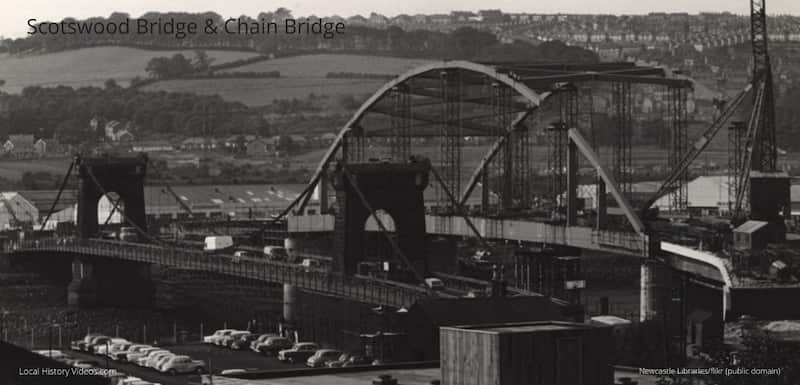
(623, 103)
(451, 135)
(677, 117)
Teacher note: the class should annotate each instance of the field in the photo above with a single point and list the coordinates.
(13, 169)
(259, 92)
(306, 66)
(88, 66)
(300, 76)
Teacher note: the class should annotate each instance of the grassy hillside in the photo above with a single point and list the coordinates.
(88, 66)
(300, 76)
(259, 92)
(319, 65)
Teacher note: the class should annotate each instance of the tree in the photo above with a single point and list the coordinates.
(111, 84)
(202, 62)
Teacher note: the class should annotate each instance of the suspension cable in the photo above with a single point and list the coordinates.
(460, 210)
(58, 195)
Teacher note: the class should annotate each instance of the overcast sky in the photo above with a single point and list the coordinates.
(15, 13)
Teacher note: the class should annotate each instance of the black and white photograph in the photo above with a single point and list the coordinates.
(459, 192)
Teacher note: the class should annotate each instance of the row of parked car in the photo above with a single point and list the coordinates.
(147, 356)
(115, 377)
(284, 349)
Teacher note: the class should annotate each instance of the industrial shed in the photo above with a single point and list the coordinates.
(553, 353)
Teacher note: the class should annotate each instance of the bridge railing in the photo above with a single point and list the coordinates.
(365, 289)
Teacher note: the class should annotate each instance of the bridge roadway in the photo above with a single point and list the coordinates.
(628, 243)
(359, 288)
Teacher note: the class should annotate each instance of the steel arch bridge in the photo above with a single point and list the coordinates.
(509, 143)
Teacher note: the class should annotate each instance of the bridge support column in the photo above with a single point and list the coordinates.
(572, 184)
(82, 290)
(654, 290)
(289, 300)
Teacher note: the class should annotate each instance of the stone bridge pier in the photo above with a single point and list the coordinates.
(97, 282)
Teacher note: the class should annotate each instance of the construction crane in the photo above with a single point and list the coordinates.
(759, 148)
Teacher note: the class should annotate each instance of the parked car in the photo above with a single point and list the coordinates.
(102, 349)
(95, 342)
(357, 361)
(116, 348)
(183, 364)
(212, 339)
(81, 343)
(152, 361)
(123, 355)
(300, 352)
(142, 360)
(322, 357)
(254, 343)
(143, 352)
(273, 345)
(227, 341)
(162, 360)
(338, 362)
(243, 342)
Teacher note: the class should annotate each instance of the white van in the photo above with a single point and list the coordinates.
(218, 243)
(434, 283)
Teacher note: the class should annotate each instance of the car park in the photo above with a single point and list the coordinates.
(300, 352)
(219, 334)
(322, 357)
(273, 345)
(183, 364)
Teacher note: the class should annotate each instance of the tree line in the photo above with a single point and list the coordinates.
(65, 113)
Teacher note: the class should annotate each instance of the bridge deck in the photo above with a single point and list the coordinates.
(509, 229)
(363, 289)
